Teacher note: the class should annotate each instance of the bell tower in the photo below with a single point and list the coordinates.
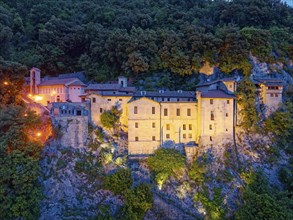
(35, 80)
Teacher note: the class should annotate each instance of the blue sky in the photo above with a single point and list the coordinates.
(289, 2)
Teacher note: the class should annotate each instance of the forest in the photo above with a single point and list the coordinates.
(136, 37)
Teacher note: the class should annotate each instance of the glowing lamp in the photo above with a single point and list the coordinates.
(39, 134)
(5, 83)
(38, 98)
(29, 95)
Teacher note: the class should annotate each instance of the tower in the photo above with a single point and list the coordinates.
(122, 81)
(35, 80)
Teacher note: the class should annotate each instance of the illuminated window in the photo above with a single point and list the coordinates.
(168, 126)
(135, 109)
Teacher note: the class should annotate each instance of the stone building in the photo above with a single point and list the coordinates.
(270, 93)
(158, 117)
(63, 88)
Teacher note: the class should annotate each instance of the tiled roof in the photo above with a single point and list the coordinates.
(275, 82)
(170, 94)
(216, 81)
(216, 94)
(110, 87)
(57, 81)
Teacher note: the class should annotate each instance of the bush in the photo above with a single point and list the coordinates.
(110, 119)
(119, 182)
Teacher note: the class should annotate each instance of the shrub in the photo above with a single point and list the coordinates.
(119, 182)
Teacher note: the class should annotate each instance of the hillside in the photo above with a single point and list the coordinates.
(157, 44)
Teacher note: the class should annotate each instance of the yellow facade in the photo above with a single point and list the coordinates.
(271, 97)
(152, 123)
(100, 103)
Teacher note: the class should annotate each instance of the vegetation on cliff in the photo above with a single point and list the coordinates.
(106, 38)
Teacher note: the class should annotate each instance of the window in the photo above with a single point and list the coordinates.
(120, 100)
(136, 125)
(272, 95)
(190, 127)
(178, 112)
(226, 129)
(135, 109)
(184, 136)
(109, 100)
(188, 112)
(228, 101)
(211, 138)
(168, 99)
(178, 100)
(167, 136)
(153, 110)
(168, 127)
(153, 125)
(226, 114)
(189, 135)
(165, 112)
(153, 138)
(101, 110)
(136, 138)
(94, 100)
(184, 127)
(230, 86)
(211, 101)
(212, 116)
(276, 95)
(211, 127)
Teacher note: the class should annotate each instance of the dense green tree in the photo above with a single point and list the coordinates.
(119, 182)
(110, 118)
(165, 163)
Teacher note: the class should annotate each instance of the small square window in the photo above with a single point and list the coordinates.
(276, 95)
(228, 101)
(188, 112)
(190, 127)
(189, 136)
(153, 138)
(153, 125)
(211, 127)
(178, 112)
(120, 100)
(136, 125)
(211, 101)
(168, 127)
(167, 136)
(226, 129)
(135, 109)
(109, 100)
(168, 99)
(184, 136)
(165, 112)
(94, 100)
(136, 138)
(272, 95)
(184, 127)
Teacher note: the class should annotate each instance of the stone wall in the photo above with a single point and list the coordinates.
(72, 130)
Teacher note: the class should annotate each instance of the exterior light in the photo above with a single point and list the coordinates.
(5, 83)
(29, 95)
(38, 98)
(39, 134)
(25, 115)
(53, 92)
